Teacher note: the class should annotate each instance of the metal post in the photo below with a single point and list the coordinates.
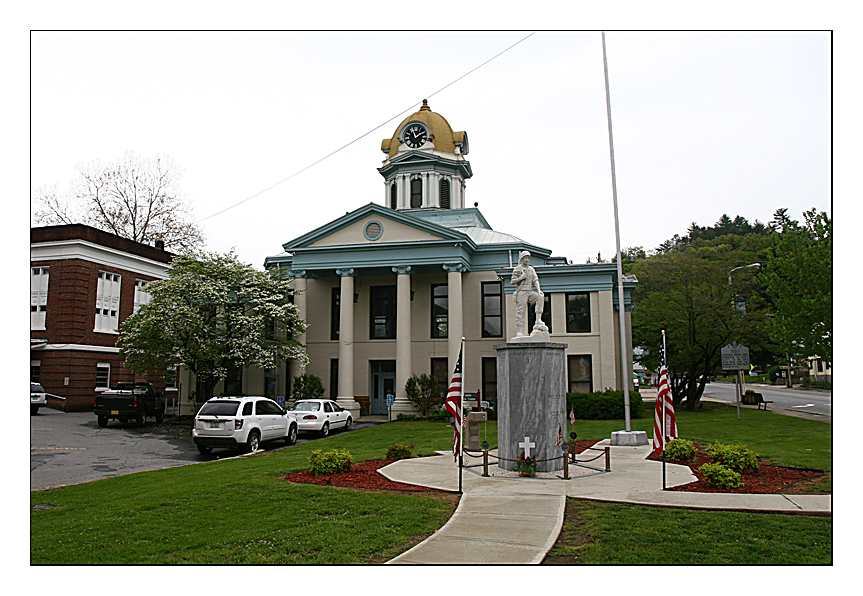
(607, 459)
(566, 466)
(737, 390)
(621, 309)
(485, 463)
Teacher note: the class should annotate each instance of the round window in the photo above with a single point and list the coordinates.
(373, 230)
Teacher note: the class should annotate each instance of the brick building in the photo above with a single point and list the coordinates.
(83, 284)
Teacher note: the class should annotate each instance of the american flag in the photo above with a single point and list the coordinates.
(559, 435)
(572, 415)
(453, 406)
(663, 395)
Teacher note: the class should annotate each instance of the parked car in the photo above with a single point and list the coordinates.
(242, 422)
(37, 398)
(321, 416)
(129, 401)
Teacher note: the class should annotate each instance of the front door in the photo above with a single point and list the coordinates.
(383, 384)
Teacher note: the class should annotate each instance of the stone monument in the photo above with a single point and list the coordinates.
(531, 383)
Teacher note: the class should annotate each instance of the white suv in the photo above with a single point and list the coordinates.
(37, 398)
(242, 422)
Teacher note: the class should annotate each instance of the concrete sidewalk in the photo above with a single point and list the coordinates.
(511, 520)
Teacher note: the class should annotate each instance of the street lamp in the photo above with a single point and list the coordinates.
(741, 267)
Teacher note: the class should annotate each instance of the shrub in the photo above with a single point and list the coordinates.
(734, 457)
(442, 415)
(405, 417)
(330, 462)
(604, 405)
(397, 451)
(308, 387)
(680, 450)
(424, 393)
(718, 476)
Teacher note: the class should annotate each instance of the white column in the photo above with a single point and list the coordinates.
(426, 198)
(346, 343)
(434, 190)
(386, 194)
(400, 194)
(403, 338)
(299, 284)
(455, 318)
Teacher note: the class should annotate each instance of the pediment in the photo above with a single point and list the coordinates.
(373, 225)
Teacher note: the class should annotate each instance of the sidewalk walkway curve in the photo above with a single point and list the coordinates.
(510, 520)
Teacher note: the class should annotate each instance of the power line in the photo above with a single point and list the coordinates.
(412, 106)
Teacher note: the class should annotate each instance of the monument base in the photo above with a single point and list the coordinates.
(629, 438)
(531, 403)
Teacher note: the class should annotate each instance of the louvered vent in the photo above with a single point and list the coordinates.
(374, 230)
(444, 194)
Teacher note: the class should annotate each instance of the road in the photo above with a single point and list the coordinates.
(818, 403)
(69, 448)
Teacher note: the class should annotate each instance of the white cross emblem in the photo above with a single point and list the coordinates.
(527, 444)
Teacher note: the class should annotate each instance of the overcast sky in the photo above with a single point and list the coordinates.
(705, 124)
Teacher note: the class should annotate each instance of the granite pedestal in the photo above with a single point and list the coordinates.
(531, 402)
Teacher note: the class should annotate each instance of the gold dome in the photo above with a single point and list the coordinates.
(444, 138)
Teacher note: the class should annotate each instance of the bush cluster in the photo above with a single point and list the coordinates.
(397, 451)
(330, 462)
(718, 476)
(680, 450)
(604, 405)
(734, 457)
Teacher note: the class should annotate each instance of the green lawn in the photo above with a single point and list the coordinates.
(237, 511)
(621, 534)
(784, 440)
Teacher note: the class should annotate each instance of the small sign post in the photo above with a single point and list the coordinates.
(735, 357)
(390, 401)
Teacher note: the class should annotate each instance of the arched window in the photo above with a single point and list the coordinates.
(444, 194)
(393, 196)
(416, 193)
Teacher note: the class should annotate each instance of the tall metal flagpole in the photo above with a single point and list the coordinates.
(461, 419)
(621, 309)
(662, 440)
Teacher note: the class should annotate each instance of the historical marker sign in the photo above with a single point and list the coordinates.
(735, 357)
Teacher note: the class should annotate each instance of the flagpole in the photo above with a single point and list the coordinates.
(461, 410)
(662, 440)
(626, 375)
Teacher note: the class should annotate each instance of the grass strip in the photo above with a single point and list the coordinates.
(621, 534)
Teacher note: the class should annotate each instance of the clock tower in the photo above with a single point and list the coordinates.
(425, 165)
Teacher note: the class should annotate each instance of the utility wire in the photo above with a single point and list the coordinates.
(412, 106)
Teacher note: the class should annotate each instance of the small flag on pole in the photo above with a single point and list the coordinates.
(664, 422)
(453, 406)
(572, 416)
(559, 435)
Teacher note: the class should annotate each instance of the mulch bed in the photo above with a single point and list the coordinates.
(767, 479)
(363, 475)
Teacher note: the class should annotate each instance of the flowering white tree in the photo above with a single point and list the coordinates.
(212, 314)
(136, 198)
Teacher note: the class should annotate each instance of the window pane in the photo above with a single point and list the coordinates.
(580, 374)
(220, 408)
(383, 312)
(335, 313)
(492, 309)
(440, 311)
(546, 314)
(578, 313)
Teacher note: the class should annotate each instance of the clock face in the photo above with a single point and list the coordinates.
(415, 136)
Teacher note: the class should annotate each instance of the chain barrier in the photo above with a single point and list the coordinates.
(567, 458)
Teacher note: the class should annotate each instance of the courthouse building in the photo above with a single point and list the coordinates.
(390, 289)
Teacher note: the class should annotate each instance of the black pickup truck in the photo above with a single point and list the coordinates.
(129, 401)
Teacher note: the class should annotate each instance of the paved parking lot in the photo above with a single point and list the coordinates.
(68, 448)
